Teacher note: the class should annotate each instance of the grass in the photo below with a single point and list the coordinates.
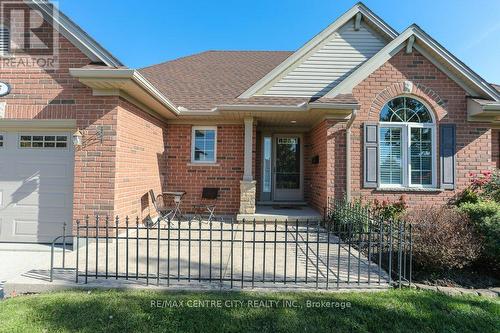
(131, 311)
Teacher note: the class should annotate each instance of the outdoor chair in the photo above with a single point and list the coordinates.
(159, 204)
(207, 206)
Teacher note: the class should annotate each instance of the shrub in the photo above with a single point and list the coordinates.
(390, 210)
(443, 238)
(485, 216)
(467, 196)
(483, 186)
(491, 189)
(352, 214)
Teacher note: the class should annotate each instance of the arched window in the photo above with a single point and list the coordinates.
(406, 144)
(4, 40)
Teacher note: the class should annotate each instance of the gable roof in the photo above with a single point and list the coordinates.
(76, 35)
(368, 17)
(205, 80)
(432, 50)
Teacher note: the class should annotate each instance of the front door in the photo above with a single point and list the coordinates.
(288, 166)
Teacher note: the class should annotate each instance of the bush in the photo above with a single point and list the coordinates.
(352, 214)
(443, 239)
(485, 216)
(491, 189)
(390, 210)
(483, 186)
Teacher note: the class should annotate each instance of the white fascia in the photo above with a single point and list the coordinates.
(74, 33)
(395, 46)
(118, 76)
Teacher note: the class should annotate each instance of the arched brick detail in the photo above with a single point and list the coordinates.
(432, 98)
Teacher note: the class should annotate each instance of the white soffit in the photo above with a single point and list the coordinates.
(368, 19)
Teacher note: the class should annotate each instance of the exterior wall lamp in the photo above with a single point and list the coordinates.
(79, 136)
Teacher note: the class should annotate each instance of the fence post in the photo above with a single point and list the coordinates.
(86, 248)
(411, 254)
(400, 252)
(64, 246)
(77, 247)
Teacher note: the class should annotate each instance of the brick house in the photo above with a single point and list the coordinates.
(359, 111)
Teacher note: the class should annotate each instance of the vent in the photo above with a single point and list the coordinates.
(4, 41)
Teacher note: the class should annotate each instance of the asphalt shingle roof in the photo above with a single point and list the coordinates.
(204, 80)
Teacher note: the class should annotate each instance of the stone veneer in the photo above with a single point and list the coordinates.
(248, 191)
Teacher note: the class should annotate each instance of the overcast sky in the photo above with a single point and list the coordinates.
(146, 32)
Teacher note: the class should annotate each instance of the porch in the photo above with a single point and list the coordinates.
(282, 212)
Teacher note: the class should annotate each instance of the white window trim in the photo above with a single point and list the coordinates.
(68, 140)
(405, 137)
(405, 154)
(193, 130)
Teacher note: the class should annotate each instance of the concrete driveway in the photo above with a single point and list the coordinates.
(17, 259)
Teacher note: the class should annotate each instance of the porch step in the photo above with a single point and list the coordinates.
(282, 203)
(281, 213)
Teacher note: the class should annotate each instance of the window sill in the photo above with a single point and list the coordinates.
(203, 164)
(408, 189)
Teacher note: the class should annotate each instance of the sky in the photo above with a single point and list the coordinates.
(147, 32)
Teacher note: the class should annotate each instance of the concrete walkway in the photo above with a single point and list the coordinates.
(189, 265)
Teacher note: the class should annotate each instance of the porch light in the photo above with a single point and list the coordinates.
(293, 121)
(77, 138)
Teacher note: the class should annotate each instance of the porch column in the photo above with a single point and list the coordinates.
(248, 184)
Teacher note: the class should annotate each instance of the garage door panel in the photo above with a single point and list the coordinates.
(42, 200)
(36, 187)
(38, 229)
(36, 170)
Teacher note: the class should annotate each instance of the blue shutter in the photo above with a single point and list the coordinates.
(447, 141)
(370, 134)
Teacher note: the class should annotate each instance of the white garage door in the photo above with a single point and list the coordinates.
(36, 185)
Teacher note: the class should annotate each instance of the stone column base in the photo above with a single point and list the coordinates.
(248, 191)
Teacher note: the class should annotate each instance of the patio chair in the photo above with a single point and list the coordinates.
(207, 206)
(161, 208)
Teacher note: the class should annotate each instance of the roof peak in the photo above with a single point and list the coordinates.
(215, 51)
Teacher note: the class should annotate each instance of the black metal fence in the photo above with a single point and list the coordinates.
(349, 250)
(384, 241)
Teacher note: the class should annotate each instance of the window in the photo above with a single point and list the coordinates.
(1, 140)
(4, 41)
(204, 144)
(266, 178)
(43, 141)
(406, 144)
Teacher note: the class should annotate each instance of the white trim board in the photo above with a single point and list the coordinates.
(368, 15)
(397, 44)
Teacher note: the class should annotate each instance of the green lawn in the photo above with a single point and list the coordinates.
(132, 311)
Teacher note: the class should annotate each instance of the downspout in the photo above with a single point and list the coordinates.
(348, 154)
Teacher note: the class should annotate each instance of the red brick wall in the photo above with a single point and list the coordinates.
(54, 94)
(474, 141)
(327, 178)
(226, 174)
(315, 175)
(495, 147)
(140, 161)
